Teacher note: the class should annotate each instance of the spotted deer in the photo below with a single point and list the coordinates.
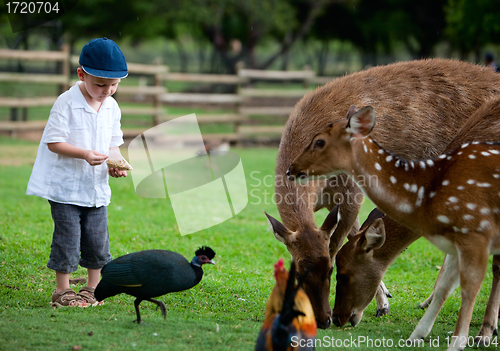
(425, 102)
(452, 200)
(362, 261)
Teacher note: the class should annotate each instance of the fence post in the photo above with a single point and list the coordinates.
(158, 82)
(13, 113)
(66, 64)
(240, 65)
(307, 81)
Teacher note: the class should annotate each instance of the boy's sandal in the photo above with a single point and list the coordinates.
(67, 298)
(87, 294)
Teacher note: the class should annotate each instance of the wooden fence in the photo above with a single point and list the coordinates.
(245, 125)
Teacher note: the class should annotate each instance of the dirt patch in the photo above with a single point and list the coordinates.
(18, 155)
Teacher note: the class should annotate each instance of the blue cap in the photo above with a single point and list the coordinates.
(103, 58)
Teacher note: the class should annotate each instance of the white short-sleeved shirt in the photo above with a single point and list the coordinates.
(70, 180)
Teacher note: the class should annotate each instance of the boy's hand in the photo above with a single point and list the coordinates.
(116, 173)
(94, 158)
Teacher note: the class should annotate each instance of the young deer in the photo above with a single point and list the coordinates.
(452, 200)
(424, 101)
(362, 262)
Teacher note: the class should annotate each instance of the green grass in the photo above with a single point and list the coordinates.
(223, 312)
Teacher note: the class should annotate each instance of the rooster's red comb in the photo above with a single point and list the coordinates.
(279, 267)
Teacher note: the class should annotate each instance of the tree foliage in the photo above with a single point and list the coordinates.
(378, 27)
(234, 29)
(112, 18)
(472, 23)
(223, 22)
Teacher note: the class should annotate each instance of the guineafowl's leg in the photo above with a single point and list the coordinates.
(136, 304)
(161, 305)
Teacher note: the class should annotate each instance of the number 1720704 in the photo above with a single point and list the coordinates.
(462, 341)
(32, 7)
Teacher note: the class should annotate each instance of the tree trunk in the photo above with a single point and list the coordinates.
(323, 57)
(315, 11)
(201, 57)
(183, 58)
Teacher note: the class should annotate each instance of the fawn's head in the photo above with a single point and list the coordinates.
(330, 150)
(359, 271)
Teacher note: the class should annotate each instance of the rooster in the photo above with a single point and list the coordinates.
(289, 322)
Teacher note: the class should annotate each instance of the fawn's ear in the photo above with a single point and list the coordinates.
(361, 122)
(374, 236)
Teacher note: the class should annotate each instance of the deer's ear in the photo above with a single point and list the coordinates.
(374, 236)
(361, 122)
(352, 110)
(331, 221)
(374, 214)
(281, 232)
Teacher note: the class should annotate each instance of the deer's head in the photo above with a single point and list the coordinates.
(330, 150)
(314, 265)
(359, 271)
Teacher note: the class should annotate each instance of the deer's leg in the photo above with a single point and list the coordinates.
(349, 206)
(428, 300)
(490, 321)
(447, 281)
(382, 301)
(473, 261)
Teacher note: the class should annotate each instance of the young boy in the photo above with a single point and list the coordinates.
(70, 169)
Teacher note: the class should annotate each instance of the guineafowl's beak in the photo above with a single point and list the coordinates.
(211, 262)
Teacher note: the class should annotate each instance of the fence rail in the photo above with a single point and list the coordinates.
(204, 78)
(35, 55)
(245, 125)
(276, 75)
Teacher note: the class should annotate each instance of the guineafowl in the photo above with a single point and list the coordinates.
(151, 273)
